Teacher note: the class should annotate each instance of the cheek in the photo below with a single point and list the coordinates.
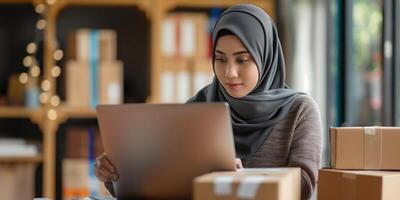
(251, 76)
(219, 72)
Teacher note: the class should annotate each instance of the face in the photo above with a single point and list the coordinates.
(235, 67)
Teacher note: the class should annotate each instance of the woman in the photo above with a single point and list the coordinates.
(273, 125)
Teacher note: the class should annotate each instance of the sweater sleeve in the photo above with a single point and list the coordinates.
(305, 150)
(110, 188)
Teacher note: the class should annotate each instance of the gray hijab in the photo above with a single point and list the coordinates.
(254, 115)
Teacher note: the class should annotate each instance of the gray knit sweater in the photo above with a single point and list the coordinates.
(294, 142)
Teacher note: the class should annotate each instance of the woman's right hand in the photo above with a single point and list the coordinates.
(104, 170)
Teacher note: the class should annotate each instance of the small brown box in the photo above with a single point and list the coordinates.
(358, 185)
(365, 148)
(78, 93)
(111, 82)
(256, 184)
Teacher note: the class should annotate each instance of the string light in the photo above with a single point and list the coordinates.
(51, 2)
(52, 114)
(31, 48)
(58, 54)
(27, 61)
(45, 85)
(35, 71)
(43, 97)
(55, 101)
(41, 24)
(23, 78)
(39, 9)
(55, 71)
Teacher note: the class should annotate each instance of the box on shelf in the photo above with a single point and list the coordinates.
(78, 92)
(86, 87)
(15, 91)
(17, 181)
(111, 76)
(89, 44)
(185, 35)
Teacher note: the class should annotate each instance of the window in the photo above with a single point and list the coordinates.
(397, 60)
(363, 96)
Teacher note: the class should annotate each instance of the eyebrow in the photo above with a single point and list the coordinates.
(236, 53)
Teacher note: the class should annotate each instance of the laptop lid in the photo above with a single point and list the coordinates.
(158, 149)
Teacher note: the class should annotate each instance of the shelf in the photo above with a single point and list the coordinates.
(213, 3)
(106, 2)
(77, 112)
(15, 1)
(18, 112)
(31, 159)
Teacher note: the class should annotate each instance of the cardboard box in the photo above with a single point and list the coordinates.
(75, 175)
(17, 181)
(185, 35)
(365, 148)
(85, 44)
(107, 45)
(77, 143)
(358, 185)
(256, 184)
(15, 90)
(78, 182)
(111, 82)
(78, 90)
(79, 82)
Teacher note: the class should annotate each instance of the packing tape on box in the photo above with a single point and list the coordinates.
(349, 176)
(349, 185)
(372, 147)
(223, 185)
(248, 187)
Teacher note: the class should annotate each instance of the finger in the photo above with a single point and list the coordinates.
(238, 163)
(107, 164)
(108, 176)
(100, 176)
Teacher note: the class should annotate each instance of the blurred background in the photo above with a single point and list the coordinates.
(60, 58)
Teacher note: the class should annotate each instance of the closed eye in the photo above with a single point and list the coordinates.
(221, 60)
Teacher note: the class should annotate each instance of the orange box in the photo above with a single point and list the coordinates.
(365, 148)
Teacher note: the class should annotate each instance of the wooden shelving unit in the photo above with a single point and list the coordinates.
(18, 112)
(156, 11)
(29, 159)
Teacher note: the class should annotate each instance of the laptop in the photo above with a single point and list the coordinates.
(158, 149)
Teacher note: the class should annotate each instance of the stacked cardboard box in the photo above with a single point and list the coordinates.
(354, 150)
(256, 184)
(93, 73)
(186, 65)
(82, 147)
(17, 180)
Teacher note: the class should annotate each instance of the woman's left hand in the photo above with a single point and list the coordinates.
(238, 163)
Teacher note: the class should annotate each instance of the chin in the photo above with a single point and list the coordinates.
(236, 95)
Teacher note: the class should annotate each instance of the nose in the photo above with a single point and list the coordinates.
(231, 71)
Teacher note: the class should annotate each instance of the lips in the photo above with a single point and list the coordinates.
(234, 86)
